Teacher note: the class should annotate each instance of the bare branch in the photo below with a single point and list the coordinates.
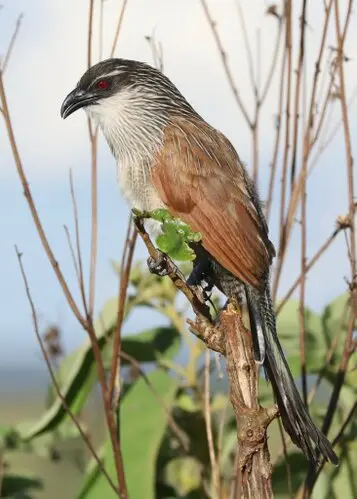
(226, 67)
(286, 222)
(273, 164)
(125, 267)
(54, 379)
(12, 43)
(78, 245)
(118, 27)
(71, 249)
(208, 424)
(308, 267)
(247, 48)
(297, 89)
(90, 33)
(273, 63)
(33, 210)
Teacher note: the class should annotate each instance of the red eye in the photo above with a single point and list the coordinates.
(102, 84)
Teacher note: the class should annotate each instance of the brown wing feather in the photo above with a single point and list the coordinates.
(200, 179)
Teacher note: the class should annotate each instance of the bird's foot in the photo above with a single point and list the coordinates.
(159, 265)
(201, 282)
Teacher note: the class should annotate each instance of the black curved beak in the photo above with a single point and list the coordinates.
(75, 100)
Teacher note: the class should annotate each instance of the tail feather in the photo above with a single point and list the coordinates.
(295, 417)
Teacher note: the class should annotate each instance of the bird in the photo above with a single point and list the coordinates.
(169, 157)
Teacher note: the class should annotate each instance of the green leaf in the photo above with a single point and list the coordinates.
(298, 465)
(77, 374)
(152, 344)
(334, 320)
(184, 474)
(143, 427)
(173, 243)
(289, 335)
(176, 235)
(342, 481)
(9, 437)
(15, 485)
(187, 403)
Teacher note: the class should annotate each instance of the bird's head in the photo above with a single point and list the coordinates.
(113, 85)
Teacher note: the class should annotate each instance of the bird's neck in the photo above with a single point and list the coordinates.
(132, 125)
(135, 133)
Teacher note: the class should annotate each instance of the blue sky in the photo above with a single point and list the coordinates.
(49, 57)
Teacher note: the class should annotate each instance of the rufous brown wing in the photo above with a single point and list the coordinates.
(201, 180)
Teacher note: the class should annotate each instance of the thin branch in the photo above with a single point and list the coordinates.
(226, 67)
(83, 434)
(287, 464)
(347, 134)
(331, 135)
(325, 106)
(297, 89)
(71, 249)
(274, 162)
(118, 27)
(259, 62)
(273, 63)
(93, 136)
(208, 424)
(94, 223)
(248, 50)
(125, 267)
(282, 232)
(288, 221)
(12, 43)
(303, 205)
(157, 51)
(308, 267)
(33, 210)
(176, 430)
(236, 481)
(78, 245)
(100, 36)
(90, 33)
(221, 425)
(302, 295)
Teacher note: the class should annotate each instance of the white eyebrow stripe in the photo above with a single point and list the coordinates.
(112, 73)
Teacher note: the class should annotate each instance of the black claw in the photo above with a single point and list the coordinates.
(158, 265)
(199, 278)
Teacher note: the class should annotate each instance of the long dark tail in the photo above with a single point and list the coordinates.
(295, 418)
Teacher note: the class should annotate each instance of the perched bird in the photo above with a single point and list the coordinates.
(169, 157)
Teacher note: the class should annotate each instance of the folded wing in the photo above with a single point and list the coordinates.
(201, 180)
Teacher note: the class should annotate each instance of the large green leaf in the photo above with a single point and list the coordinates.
(18, 485)
(334, 322)
(289, 334)
(342, 481)
(152, 344)
(143, 426)
(176, 235)
(298, 465)
(183, 474)
(77, 374)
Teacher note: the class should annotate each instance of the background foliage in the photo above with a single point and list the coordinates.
(162, 411)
